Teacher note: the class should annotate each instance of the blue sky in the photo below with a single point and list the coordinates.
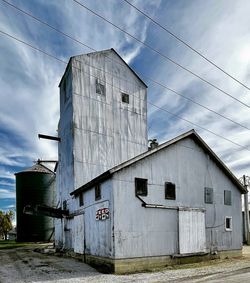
(29, 80)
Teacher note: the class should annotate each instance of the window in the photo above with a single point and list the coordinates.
(169, 190)
(125, 98)
(141, 187)
(228, 223)
(64, 205)
(81, 199)
(208, 195)
(227, 197)
(100, 88)
(98, 192)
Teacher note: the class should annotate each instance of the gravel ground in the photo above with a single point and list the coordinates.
(25, 265)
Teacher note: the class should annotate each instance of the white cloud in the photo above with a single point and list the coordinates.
(7, 194)
(29, 101)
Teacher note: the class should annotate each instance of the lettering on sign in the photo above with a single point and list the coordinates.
(102, 214)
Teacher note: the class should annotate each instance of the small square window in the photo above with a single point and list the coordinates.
(170, 190)
(81, 199)
(227, 197)
(125, 98)
(228, 223)
(141, 187)
(100, 88)
(98, 192)
(208, 195)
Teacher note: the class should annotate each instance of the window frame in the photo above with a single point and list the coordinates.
(125, 97)
(226, 196)
(81, 200)
(208, 191)
(172, 195)
(100, 88)
(141, 191)
(230, 228)
(98, 193)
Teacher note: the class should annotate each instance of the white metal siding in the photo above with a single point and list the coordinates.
(192, 236)
(78, 234)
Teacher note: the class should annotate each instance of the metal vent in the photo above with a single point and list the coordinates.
(100, 88)
(227, 197)
(208, 195)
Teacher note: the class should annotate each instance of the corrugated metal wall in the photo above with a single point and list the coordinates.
(107, 131)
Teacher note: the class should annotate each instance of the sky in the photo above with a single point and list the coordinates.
(29, 95)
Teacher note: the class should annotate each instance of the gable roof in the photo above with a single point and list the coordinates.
(103, 51)
(191, 134)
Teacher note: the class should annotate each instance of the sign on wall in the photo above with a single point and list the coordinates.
(102, 214)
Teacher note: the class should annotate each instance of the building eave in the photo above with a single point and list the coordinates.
(192, 133)
(103, 177)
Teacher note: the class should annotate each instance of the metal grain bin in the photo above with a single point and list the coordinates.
(34, 186)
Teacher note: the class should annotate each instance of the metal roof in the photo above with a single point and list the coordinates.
(39, 168)
(192, 134)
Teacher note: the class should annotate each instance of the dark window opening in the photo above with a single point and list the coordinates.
(208, 195)
(170, 190)
(228, 223)
(125, 98)
(141, 187)
(100, 88)
(64, 205)
(81, 199)
(227, 197)
(98, 192)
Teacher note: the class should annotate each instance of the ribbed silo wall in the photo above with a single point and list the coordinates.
(34, 188)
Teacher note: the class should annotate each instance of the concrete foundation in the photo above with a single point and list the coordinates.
(132, 265)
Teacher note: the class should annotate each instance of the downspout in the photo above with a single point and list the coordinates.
(84, 239)
(151, 205)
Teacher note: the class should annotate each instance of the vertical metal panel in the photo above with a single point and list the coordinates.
(32, 188)
(192, 236)
(108, 124)
(78, 234)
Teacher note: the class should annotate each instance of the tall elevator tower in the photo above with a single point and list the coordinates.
(103, 118)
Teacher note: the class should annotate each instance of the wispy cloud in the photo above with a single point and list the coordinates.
(29, 101)
(7, 194)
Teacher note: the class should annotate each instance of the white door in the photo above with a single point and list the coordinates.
(192, 234)
(78, 234)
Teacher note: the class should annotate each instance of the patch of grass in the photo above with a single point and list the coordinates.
(12, 244)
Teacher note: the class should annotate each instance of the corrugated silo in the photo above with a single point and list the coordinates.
(34, 186)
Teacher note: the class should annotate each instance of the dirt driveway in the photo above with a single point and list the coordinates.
(25, 265)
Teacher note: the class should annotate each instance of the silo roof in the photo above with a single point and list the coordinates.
(37, 168)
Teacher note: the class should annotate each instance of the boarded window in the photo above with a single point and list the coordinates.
(228, 223)
(98, 192)
(141, 187)
(100, 88)
(81, 199)
(125, 98)
(169, 190)
(227, 197)
(208, 195)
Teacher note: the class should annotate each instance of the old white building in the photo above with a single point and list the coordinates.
(131, 208)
